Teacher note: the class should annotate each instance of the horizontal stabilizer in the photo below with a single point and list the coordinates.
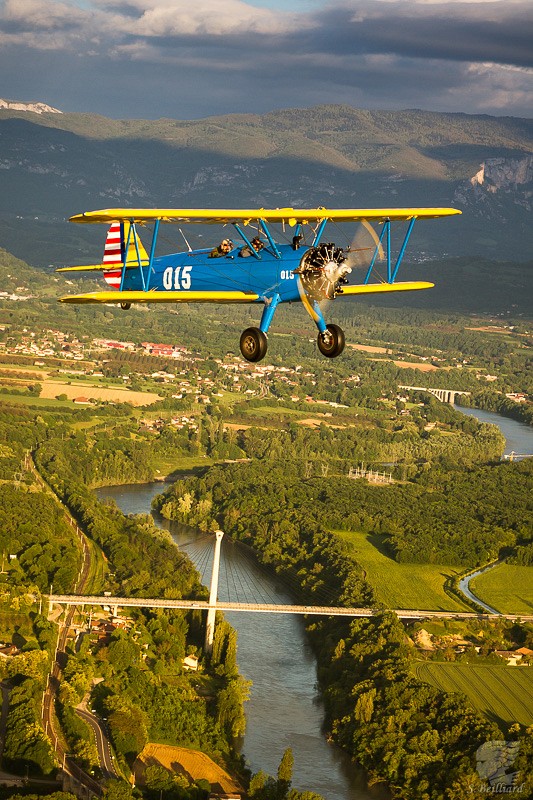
(100, 267)
(374, 288)
(161, 297)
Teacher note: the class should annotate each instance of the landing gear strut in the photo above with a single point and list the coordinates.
(331, 341)
(253, 344)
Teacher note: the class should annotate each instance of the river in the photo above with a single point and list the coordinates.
(518, 435)
(284, 709)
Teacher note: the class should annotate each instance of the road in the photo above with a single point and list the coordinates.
(105, 756)
(266, 608)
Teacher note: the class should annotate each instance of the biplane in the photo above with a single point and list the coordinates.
(283, 256)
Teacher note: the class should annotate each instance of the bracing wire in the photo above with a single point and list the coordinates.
(246, 579)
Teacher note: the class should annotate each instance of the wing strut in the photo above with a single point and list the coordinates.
(152, 252)
(252, 249)
(131, 227)
(402, 249)
(147, 271)
(320, 231)
(271, 241)
(386, 232)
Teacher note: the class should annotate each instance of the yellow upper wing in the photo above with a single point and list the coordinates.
(289, 216)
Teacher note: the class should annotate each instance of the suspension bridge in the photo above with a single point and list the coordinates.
(115, 603)
(252, 586)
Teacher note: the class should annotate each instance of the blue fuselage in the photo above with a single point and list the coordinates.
(267, 275)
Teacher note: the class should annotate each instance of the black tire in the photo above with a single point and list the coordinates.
(336, 343)
(253, 344)
(125, 306)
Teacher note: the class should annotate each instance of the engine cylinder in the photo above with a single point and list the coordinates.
(322, 271)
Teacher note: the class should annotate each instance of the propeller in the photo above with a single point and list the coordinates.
(324, 268)
(362, 247)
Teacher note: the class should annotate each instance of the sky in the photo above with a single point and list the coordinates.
(190, 59)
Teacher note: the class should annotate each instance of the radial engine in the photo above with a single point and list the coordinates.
(323, 271)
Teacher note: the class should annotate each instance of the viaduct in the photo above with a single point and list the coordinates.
(444, 395)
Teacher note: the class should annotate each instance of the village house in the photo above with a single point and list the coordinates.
(8, 650)
(190, 663)
(511, 656)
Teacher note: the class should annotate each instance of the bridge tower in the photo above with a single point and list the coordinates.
(211, 613)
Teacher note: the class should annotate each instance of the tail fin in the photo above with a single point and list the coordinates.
(114, 250)
(115, 256)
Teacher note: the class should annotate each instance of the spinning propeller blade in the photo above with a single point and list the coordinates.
(363, 246)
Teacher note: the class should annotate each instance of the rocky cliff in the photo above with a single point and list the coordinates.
(35, 108)
(504, 174)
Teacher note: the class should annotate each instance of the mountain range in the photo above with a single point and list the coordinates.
(55, 164)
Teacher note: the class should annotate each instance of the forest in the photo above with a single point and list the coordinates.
(418, 740)
(465, 516)
(145, 693)
(450, 499)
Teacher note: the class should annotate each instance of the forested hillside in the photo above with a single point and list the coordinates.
(55, 165)
(142, 689)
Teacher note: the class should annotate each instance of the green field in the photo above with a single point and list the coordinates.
(36, 402)
(412, 586)
(229, 399)
(274, 411)
(507, 588)
(96, 579)
(504, 694)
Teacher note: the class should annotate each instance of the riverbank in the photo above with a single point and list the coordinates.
(283, 664)
(285, 708)
(518, 435)
(503, 406)
(505, 588)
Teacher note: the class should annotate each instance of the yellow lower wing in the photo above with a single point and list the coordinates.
(372, 288)
(161, 297)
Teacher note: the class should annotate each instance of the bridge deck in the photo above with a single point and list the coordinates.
(265, 608)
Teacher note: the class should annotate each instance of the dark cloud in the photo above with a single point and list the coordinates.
(500, 32)
(143, 59)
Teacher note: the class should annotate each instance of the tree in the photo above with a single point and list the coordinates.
(30, 665)
(117, 789)
(262, 786)
(129, 730)
(285, 774)
(230, 712)
(122, 652)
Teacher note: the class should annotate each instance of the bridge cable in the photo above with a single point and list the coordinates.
(255, 584)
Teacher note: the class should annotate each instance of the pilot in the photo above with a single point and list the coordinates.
(257, 245)
(223, 249)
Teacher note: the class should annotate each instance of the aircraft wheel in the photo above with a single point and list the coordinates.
(253, 344)
(125, 306)
(331, 343)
